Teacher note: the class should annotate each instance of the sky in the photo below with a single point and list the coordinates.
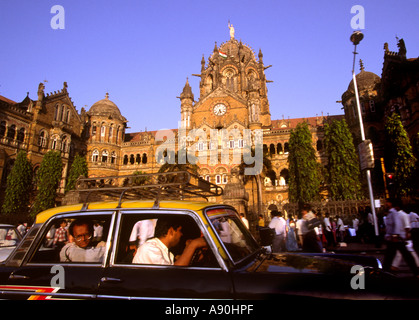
(142, 51)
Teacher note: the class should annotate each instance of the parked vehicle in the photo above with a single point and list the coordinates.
(9, 239)
(233, 265)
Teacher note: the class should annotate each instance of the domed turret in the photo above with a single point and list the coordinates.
(106, 108)
(365, 80)
(368, 83)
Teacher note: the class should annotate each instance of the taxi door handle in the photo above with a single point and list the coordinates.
(17, 277)
(111, 280)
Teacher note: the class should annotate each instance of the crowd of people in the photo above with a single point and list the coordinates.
(310, 231)
(398, 228)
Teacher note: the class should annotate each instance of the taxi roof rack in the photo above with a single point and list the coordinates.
(174, 185)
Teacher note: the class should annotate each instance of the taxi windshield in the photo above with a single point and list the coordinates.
(236, 238)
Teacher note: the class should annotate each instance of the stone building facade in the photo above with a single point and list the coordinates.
(36, 126)
(397, 90)
(233, 98)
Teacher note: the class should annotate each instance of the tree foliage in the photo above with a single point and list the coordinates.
(19, 184)
(342, 171)
(48, 178)
(78, 168)
(304, 173)
(403, 161)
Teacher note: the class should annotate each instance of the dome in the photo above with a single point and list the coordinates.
(365, 80)
(232, 48)
(105, 107)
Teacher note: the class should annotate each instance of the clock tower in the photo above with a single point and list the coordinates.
(232, 91)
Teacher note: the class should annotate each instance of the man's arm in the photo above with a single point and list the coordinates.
(187, 254)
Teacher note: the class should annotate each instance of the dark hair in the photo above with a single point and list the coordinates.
(81, 222)
(306, 207)
(395, 202)
(164, 224)
(274, 213)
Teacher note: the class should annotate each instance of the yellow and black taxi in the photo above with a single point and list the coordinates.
(88, 250)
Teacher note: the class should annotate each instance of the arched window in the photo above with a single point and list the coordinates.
(113, 157)
(131, 159)
(64, 144)
(283, 177)
(2, 128)
(62, 113)
(286, 148)
(137, 158)
(110, 134)
(279, 148)
(265, 148)
(105, 155)
(144, 158)
(272, 148)
(67, 117)
(11, 132)
(21, 135)
(56, 113)
(225, 178)
(125, 159)
(42, 139)
(54, 143)
(95, 156)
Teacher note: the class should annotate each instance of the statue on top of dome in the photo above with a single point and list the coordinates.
(230, 26)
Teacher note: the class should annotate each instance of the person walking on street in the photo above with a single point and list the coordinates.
(414, 231)
(340, 229)
(278, 224)
(397, 231)
(310, 235)
(328, 231)
(291, 242)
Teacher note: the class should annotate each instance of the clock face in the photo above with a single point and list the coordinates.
(220, 109)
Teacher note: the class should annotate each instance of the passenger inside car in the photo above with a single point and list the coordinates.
(168, 234)
(142, 231)
(82, 249)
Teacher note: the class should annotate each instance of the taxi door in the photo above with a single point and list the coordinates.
(205, 278)
(43, 274)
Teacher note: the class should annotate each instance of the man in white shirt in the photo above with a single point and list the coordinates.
(278, 223)
(414, 231)
(397, 228)
(328, 233)
(168, 233)
(82, 248)
(245, 221)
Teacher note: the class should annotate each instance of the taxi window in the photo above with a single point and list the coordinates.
(140, 231)
(74, 239)
(234, 235)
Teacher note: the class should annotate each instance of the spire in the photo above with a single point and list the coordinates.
(202, 63)
(215, 47)
(361, 65)
(107, 96)
(260, 55)
(187, 91)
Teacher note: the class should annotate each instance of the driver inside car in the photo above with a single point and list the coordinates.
(168, 234)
